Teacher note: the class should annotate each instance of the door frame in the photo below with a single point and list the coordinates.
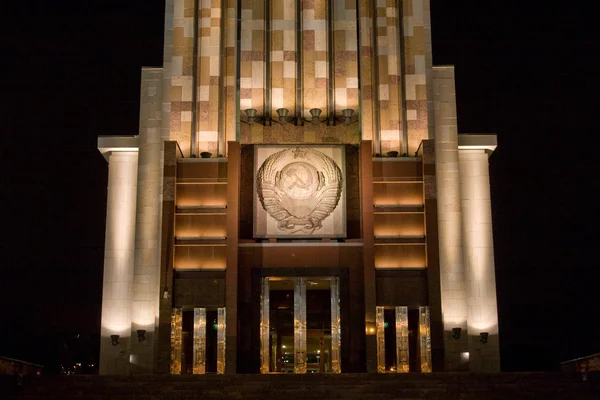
(300, 322)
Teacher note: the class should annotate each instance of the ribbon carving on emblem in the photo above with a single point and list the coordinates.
(299, 188)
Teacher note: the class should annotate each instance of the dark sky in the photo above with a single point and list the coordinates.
(71, 71)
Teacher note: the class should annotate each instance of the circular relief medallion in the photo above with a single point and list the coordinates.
(299, 188)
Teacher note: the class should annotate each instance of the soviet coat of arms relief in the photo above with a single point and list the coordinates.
(300, 188)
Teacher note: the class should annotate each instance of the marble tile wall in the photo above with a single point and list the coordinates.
(390, 85)
(209, 81)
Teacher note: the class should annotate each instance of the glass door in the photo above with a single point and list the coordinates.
(300, 325)
(280, 321)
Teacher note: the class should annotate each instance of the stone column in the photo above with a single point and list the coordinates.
(231, 273)
(366, 169)
(118, 262)
(482, 311)
(163, 347)
(452, 269)
(146, 276)
(433, 256)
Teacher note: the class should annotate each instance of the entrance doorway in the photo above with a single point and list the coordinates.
(300, 325)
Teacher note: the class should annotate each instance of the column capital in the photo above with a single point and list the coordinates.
(477, 142)
(108, 144)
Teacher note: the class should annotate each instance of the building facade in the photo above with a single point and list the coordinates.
(298, 199)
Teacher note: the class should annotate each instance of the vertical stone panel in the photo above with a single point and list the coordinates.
(402, 352)
(182, 80)
(231, 273)
(336, 331)
(300, 355)
(199, 337)
(167, 69)
(146, 276)
(424, 339)
(176, 341)
(482, 311)
(452, 268)
(265, 315)
(314, 56)
(366, 185)
(231, 105)
(433, 260)
(390, 118)
(345, 56)
(283, 56)
(366, 53)
(209, 79)
(118, 262)
(221, 340)
(252, 56)
(417, 61)
(380, 328)
(166, 264)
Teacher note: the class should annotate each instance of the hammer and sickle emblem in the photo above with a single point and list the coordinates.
(297, 181)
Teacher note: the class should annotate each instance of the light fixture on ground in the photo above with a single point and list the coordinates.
(456, 333)
(114, 339)
(141, 335)
(484, 337)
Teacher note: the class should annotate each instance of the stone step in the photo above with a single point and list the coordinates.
(443, 386)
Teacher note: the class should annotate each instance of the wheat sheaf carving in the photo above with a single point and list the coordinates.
(299, 188)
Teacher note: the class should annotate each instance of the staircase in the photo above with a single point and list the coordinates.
(443, 386)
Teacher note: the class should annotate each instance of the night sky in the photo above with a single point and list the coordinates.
(70, 70)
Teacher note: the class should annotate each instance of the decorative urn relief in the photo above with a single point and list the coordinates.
(300, 188)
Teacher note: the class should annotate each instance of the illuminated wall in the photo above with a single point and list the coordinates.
(452, 266)
(117, 286)
(465, 236)
(195, 74)
(315, 59)
(392, 54)
(345, 57)
(283, 56)
(181, 91)
(417, 71)
(482, 312)
(146, 274)
(388, 64)
(252, 55)
(208, 75)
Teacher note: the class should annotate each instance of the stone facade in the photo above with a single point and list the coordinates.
(180, 227)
